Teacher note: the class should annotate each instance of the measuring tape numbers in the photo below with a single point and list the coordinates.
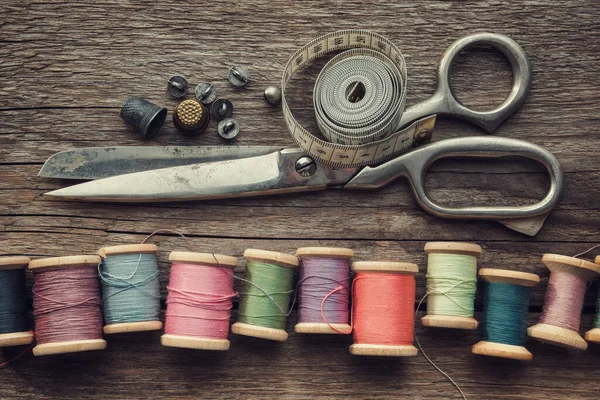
(359, 98)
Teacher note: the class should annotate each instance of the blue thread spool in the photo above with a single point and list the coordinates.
(14, 318)
(130, 288)
(504, 325)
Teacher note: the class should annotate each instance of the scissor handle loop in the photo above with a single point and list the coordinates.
(489, 120)
(417, 163)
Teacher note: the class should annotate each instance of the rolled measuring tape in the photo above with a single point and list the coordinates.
(359, 98)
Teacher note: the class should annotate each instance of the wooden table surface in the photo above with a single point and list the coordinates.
(66, 68)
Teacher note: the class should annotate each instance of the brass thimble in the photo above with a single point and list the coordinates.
(191, 117)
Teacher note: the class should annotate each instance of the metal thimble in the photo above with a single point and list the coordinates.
(191, 117)
(145, 117)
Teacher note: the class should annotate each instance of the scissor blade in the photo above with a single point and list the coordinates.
(268, 174)
(102, 162)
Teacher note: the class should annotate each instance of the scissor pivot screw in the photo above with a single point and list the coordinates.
(305, 166)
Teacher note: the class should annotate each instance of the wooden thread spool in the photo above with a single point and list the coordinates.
(200, 279)
(66, 265)
(137, 326)
(559, 335)
(326, 285)
(504, 350)
(274, 260)
(23, 337)
(593, 335)
(450, 321)
(392, 303)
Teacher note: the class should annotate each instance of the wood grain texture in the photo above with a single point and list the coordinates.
(66, 68)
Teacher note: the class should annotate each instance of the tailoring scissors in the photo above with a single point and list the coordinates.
(226, 171)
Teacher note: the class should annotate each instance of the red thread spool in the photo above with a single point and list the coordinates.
(199, 301)
(563, 310)
(67, 297)
(383, 310)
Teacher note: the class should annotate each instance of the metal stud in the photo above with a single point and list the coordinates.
(206, 93)
(221, 109)
(177, 86)
(273, 95)
(228, 128)
(305, 166)
(238, 75)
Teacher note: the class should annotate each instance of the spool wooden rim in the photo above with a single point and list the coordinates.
(140, 326)
(385, 266)
(192, 342)
(502, 350)
(597, 260)
(272, 257)
(507, 276)
(469, 249)
(593, 335)
(322, 328)
(326, 252)
(449, 321)
(74, 346)
(218, 260)
(575, 266)
(14, 262)
(557, 335)
(360, 349)
(128, 249)
(65, 262)
(16, 339)
(240, 328)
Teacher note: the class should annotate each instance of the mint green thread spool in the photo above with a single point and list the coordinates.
(451, 285)
(132, 287)
(264, 300)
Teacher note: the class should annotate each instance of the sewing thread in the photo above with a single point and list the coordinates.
(451, 284)
(130, 288)
(564, 300)
(505, 313)
(14, 310)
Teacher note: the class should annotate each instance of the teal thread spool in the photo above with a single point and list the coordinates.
(451, 285)
(504, 325)
(593, 335)
(265, 296)
(14, 313)
(130, 288)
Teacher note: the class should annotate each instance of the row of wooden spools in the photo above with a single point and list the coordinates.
(70, 307)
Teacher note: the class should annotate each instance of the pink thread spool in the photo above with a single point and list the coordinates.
(559, 323)
(593, 335)
(199, 301)
(15, 338)
(70, 301)
(324, 283)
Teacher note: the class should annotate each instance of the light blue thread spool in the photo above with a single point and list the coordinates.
(130, 288)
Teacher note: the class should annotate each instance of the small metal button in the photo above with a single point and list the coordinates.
(191, 117)
(221, 109)
(228, 128)
(206, 93)
(177, 86)
(238, 75)
(273, 95)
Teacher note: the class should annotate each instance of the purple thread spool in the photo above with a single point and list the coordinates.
(324, 274)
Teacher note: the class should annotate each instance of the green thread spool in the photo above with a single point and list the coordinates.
(504, 325)
(451, 285)
(122, 292)
(593, 335)
(265, 297)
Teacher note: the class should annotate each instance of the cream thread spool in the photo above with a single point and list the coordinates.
(199, 259)
(558, 335)
(65, 264)
(15, 338)
(317, 253)
(384, 268)
(503, 350)
(451, 321)
(277, 260)
(593, 335)
(130, 326)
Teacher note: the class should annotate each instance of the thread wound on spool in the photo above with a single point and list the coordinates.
(13, 314)
(564, 300)
(451, 284)
(130, 288)
(199, 301)
(265, 301)
(67, 305)
(505, 313)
